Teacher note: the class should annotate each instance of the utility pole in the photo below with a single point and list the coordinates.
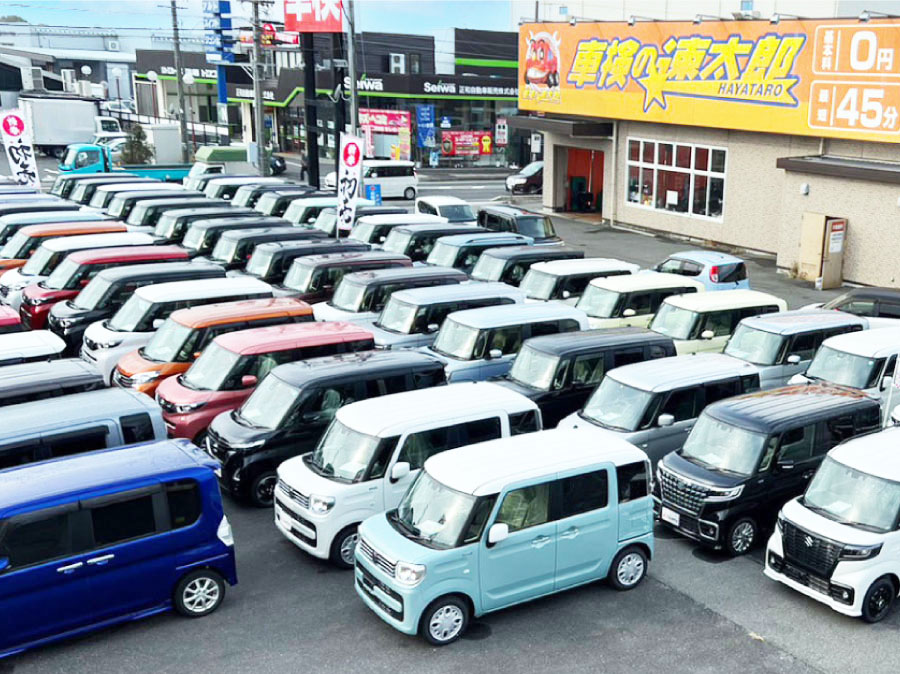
(179, 86)
(310, 115)
(351, 62)
(258, 117)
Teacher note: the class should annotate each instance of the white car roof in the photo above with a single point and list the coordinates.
(31, 343)
(387, 162)
(514, 314)
(875, 453)
(646, 280)
(584, 265)
(132, 187)
(724, 299)
(192, 290)
(664, 374)
(487, 467)
(442, 200)
(246, 181)
(330, 201)
(402, 219)
(83, 241)
(389, 415)
(456, 291)
(869, 343)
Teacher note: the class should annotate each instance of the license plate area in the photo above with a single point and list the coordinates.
(670, 516)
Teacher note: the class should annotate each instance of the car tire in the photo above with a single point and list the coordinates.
(262, 489)
(343, 547)
(879, 600)
(741, 536)
(444, 620)
(409, 193)
(628, 569)
(199, 593)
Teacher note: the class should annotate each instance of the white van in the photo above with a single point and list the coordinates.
(632, 300)
(374, 229)
(839, 543)
(704, 321)
(303, 212)
(104, 194)
(396, 178)
(566, 280)
(132, 326)
(454, 209)
(28, 347)
(374, 448)
(862, 360)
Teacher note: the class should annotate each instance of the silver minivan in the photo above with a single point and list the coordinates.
(654, 404)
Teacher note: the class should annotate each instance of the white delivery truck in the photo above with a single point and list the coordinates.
(58, 120)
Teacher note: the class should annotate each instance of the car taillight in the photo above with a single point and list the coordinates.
(714, 274)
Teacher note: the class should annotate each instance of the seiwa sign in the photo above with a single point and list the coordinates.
(365, 84)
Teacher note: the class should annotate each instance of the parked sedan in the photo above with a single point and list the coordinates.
(716, 271)
(529, 180)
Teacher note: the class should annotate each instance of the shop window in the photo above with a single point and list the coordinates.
(415, 65)
(678, 178)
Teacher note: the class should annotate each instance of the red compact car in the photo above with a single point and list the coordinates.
(78, 268)
(9, 320)
(541, 65)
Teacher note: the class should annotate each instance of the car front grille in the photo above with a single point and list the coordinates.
(376, 557)
(215, 447)
(368, 583)
(300, 499)
(302, 521)
(120, 379)
(813, 553)
(681, 492)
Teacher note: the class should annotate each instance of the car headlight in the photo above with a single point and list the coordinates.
(18, 285)
(145, 377)
(188, 407)
(518, 181)
(320, 504)
(717, 495)
(36, 301)
(249, 445)
(111, 344)
(65, 322)
(409, 574)
(779, 522)
(852, 553)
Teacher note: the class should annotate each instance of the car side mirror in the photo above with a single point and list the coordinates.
(793, 359)
(785, 465)
(399, 471)
(566, 294)
(886, 383)
(248, 380)
(707, 334)
(628, 313)
(665, 420)
(493, 354)
(4, 564)
(433, 327)
(497, 533)
(157, 322)
(197, 354)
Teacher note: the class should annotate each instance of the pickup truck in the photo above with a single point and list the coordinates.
(89, 158)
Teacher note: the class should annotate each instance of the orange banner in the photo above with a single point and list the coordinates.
(838, 78)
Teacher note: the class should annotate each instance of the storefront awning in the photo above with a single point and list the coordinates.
(574, 128)
(843, 167)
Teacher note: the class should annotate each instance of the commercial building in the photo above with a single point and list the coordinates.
(775, 136)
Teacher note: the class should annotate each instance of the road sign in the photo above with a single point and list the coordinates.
(373, 193)
(348, 179)
(19, 150)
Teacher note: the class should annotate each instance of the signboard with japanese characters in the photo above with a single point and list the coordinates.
(501, 131)
(313, 16)
(838, 78)
(217, 38)
(348, 179)
(19, 150)
(466, 143)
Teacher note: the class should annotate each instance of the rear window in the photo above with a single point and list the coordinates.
(732, 273)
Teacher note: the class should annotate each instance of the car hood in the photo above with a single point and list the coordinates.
(691, 470)
(387, 541)
(174, 392)
(38, 292)
(818, 524)
(234, 433)
(530, 393)
(299, 476)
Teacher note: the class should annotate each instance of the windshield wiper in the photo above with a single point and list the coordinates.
(408, 528)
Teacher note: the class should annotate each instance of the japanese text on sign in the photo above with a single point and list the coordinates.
(19, 150)
(349, 176)
(313, 16)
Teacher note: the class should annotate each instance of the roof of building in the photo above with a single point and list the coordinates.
(646, 280)
(724, 299)
(663, 374)
(870, 343)
(291, 336)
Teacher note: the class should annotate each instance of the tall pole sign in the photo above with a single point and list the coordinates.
(19, 150)
(348, 180)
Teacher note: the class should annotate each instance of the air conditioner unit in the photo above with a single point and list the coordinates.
(85, 89)
(112, 45)
(68, 78)
(398, 64)
(37, 79)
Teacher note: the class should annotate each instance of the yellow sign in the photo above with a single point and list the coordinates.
(835, 78)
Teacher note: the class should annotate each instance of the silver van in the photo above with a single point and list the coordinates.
(654, 404)
(412, 317)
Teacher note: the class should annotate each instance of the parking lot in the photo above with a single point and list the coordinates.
(697, 612)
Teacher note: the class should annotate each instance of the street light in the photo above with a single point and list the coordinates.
(189, 79)
(86, 70)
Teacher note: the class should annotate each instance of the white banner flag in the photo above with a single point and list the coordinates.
(19, 150)
(348, 181)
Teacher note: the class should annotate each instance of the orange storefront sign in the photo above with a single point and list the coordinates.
(826, 77)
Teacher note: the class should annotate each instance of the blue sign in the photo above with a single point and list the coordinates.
(425, 126)
(373, 193)
(217, 37)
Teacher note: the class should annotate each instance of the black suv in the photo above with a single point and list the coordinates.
(520, 221)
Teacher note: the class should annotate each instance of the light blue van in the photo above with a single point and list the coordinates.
(502, 522)
(477, 344)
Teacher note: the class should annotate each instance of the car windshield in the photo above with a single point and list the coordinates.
(171, 343)
(397, 241)
(534, 368)
(269, 404)
(539, 285)
(433, 513)
(535, 226)
(194, 237)
(15, 247)
(136, 217)
(326, 221)
(116, 206)
(295, 210)
(846, 369)
(300, 276)
(674, 322)
(456, 340)
(617, 406)
(488, 268)
(130, 315)
(366, 231)
(41, 261)
(210, 371)
(68, 160)
(259, 263)
(266, 203)
(67, 275)
(599, 302)
(755, 346)
(722, 447)
(398, 316)
(78, 192)
(92, 294)
(348, 296)
(225, 249)
(443, 254)
(852, 497)
(458, 213)
(344, 453)
(98, 198)
(532, 168)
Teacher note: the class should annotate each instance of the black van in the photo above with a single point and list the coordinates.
(276, 201)
(201, 237)
(249, 195)
(146, 213)
(509, 264)
(28, 206)
(109, 290)
(290, 409)
(416, 241)
(747, 456)
(172, 225)
(235, 246)
(514, 219)
(559, 372)
(121, 204)
(83, 192)
(270, 261)
(27, 382)
(66, 182)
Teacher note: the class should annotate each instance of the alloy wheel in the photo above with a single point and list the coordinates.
(742, 537)
(201, 594)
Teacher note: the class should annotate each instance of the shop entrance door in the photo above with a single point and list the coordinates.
(822, 240)
(584, 180)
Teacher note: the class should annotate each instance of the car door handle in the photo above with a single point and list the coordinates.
(69, 568)
(100, 560)
(571, 532)
(540, 541)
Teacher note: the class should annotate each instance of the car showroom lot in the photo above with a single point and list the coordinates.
(696, 612)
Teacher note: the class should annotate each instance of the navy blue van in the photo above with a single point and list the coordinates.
(110, 536)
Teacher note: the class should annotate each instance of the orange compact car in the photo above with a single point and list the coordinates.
(178, 341)
(18, 249)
